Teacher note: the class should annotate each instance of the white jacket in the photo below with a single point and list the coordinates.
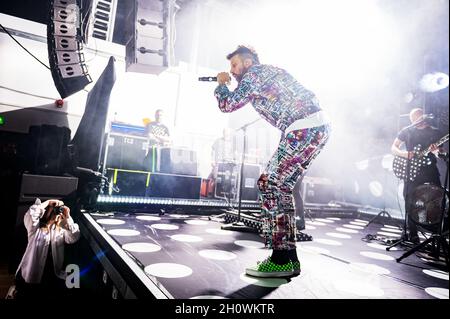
(33, 260)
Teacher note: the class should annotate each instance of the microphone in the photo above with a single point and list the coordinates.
(208, 78)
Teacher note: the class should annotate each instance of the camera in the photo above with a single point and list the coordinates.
(58, 210)
(47, 217)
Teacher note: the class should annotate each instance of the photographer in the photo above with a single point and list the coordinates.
(49, 226)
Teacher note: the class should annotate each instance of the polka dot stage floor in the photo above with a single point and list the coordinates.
(190, 256)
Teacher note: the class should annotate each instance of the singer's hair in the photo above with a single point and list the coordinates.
(245, 52)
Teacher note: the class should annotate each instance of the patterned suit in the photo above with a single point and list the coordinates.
(281, 101)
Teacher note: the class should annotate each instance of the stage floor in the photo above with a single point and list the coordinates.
(190, 256)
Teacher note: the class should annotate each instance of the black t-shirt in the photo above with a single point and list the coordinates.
(412, 137)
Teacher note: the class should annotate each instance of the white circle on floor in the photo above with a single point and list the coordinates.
(263, 282)
(196, 222)
(315, 223)
(141, 247)
(123, 232)
(436, 273)
(392, 227)
(381, 247)
(148, 218)
(337, 235)
(358, 223)
(179, 216)
(314, 249)
(391, 230)
(324, 220)
(217, 254)
(164, 226)
(216, 231)
(346, 230)
(106, 221)
(377, 256)
(208, 297)
(249, 244)
(384, 233)
(433, 261)
(168, 270)
(353, 226)
(358, 288)
(375, 269)
(186, 238)
(309, 227)
(440, 293)
(333, 218)
(328, 242)
(361, 221)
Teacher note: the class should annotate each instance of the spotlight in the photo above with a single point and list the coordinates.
(433, 82)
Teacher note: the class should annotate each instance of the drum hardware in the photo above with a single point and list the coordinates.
(238, 225)
(430, 210)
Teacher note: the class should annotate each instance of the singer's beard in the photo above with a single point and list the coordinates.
(239, 77)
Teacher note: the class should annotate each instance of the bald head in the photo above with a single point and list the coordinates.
(415, 115)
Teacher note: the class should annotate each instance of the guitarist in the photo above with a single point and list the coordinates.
(419, 132)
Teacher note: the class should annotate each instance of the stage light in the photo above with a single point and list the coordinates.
(408, 98)
(356, 187)
(376, 188)
(362, 165)
(433, 82)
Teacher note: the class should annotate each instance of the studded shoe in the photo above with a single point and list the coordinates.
(267, 269)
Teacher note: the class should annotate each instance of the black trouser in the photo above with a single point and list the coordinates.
(49, 287)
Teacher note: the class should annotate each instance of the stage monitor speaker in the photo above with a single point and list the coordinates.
(132, 183)
(128, 183)
(149, 33)
(174, 186)
(66, 31)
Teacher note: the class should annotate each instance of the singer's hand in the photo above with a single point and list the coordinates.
(223, 78)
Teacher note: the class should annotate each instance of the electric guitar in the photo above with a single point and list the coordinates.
(409, 169)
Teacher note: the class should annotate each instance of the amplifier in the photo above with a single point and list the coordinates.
(250, 191)
(125, 151)
(226, 180)
(177, 161)
(317, 190)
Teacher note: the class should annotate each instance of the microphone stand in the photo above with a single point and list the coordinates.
(239, 225)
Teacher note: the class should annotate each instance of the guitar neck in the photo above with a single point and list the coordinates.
(438, 143)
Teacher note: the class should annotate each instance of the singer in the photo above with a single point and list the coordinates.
(304, 127)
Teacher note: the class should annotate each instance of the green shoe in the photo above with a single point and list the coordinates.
(296, 267)
(267, 268)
